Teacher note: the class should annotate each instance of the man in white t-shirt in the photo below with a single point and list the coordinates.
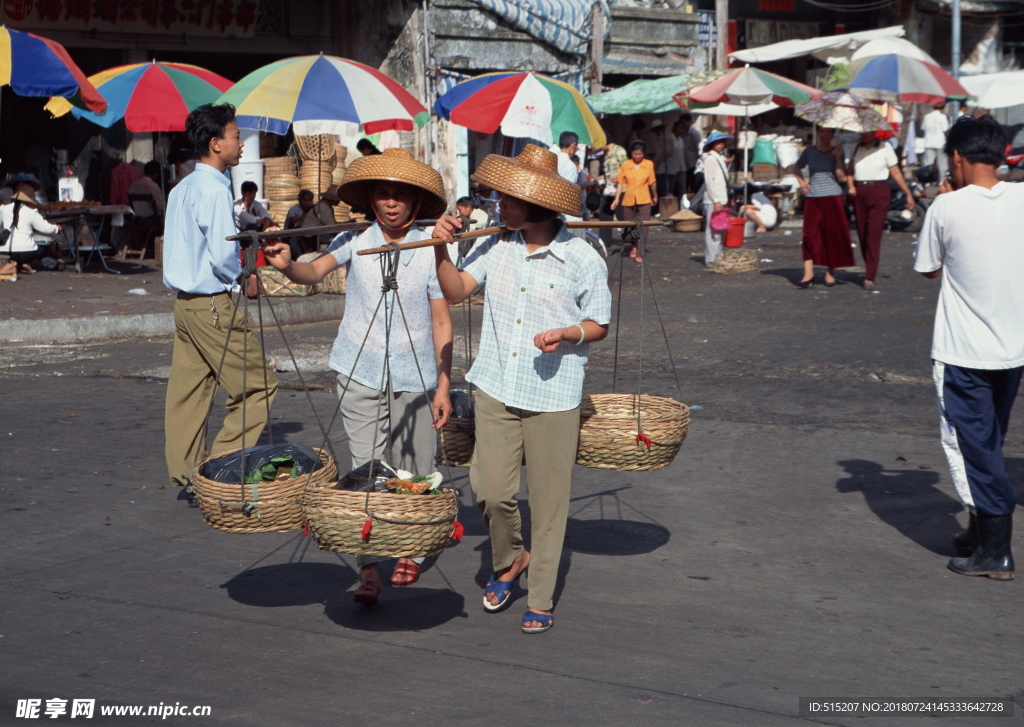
(762, 212)
(972, 238)
(935, 125)
(568, 144)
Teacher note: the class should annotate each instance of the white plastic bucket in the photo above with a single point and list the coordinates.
(247, 172)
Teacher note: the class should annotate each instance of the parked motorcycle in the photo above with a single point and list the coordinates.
(899, 218)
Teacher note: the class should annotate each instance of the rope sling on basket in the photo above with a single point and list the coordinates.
(265, 506)
(381, 523)
(617, 431)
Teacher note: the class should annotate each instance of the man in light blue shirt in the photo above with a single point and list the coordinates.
(202, 266)
(546, 299)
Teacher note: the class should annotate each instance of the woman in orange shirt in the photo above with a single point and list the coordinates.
(637, 191)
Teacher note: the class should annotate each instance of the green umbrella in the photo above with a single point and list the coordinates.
(648, 96)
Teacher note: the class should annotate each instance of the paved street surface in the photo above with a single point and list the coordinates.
(795, 548)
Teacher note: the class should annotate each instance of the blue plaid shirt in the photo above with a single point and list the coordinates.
(527, 293)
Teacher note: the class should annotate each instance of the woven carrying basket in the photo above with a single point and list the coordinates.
(734, 261)
(334, 282)
(317, 146)
(400, 525)
(608, 431)
(458, 437)
(234, 509)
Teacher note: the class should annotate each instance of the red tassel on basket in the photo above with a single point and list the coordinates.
(305, 530)
(367, 526)
(458, 531)
(642, 438)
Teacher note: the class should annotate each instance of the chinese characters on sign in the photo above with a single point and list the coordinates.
(193, 17)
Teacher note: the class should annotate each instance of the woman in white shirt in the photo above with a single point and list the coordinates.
(23, 220)
(867, 180)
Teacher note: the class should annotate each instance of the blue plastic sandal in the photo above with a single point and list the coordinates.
(501, 589)
(547, 619)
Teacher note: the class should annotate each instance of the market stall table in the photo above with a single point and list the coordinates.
(83, 228)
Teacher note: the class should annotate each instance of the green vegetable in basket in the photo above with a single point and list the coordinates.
(278, 468)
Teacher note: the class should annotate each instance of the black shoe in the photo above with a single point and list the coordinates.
(967, 541)
(830, 285)
(992, 557)
(805, 284)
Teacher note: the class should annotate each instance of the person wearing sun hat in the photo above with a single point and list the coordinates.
(546, 299)
(406, 408)
(715, 192)
(20, 216)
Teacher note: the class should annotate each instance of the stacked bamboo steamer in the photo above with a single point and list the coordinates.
(281, 186)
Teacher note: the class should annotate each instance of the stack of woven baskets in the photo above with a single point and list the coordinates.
(318, 161)
(281, 183)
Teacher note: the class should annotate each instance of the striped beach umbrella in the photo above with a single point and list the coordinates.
(35, 66)
(897, 78)
(749, 86)
(522, 105)
(149, 96)
(323, 95)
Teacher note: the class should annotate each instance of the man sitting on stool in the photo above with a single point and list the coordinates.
(249, 213)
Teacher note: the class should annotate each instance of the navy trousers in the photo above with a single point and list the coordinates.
(974, 407)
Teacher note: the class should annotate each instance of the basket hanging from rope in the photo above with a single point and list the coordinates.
(609, 437)
(267, 507)
(379, 523)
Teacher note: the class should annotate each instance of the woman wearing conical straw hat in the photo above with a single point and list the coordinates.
(407, 406)
(546, 299)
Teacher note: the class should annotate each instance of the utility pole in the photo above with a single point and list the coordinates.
(956, 39)
(722, 27)
(597, 49)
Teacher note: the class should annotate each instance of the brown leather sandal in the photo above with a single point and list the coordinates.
(367, 593)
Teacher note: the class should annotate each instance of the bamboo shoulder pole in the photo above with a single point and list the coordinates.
(435, 241)
(310, 231)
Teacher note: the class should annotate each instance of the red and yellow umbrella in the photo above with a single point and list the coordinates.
(149, 96)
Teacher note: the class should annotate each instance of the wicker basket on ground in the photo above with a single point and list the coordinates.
(686, 221)
(279, 211)
(739, 260)
(269, 507)
(608, 431)
(399, 525)
(280, 165)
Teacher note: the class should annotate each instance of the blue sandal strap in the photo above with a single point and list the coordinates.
(545, 619)
(500, 589)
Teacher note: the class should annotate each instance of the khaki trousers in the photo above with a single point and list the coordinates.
(201, 328)
(549, 440)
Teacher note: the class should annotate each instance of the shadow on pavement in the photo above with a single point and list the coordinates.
(907, 500)
(290, 584)
(399, 609)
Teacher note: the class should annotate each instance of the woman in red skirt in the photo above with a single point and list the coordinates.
(867, 181)
(826, 229)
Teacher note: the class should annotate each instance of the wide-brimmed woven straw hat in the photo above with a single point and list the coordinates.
(531, 176)
(392, 165)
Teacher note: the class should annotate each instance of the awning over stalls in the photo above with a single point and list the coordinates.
(565, 24)
(830, 49)
(996, 90)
